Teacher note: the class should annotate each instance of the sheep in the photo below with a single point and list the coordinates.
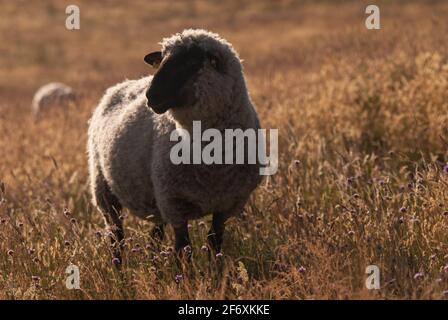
(199, 77)
(51, 94)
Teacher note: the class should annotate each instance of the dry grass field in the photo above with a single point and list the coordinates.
(362, 118)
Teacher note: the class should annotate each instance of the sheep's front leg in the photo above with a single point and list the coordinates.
(158, 232)
(182, 239)
(216, 232)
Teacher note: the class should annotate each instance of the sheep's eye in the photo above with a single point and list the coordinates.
(214, 61)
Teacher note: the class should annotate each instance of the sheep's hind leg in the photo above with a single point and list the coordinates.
(216, 233)
(215, 237)
(111, 209)
(158, 232)
(115, 225)
(157, 236)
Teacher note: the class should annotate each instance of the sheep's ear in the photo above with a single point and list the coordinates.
(154, 59)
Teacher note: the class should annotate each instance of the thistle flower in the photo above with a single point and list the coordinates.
(219, 255)
(164, 253)
(187, 249)
(403, 210)
(135, 250)
(116, 261)
(282, 267)
(445, 169)
(419, 275)
(178, 278)
(301, 269)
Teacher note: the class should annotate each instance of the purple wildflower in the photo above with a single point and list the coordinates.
(178, 278)
(187, 249)
(419, 275)
(155, 258)
(445, 168)
(164, 253)
(135, 250)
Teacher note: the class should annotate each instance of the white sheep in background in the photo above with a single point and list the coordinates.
(200, 78)
(52, 94)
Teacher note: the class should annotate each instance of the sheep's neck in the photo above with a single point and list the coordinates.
(232, 117)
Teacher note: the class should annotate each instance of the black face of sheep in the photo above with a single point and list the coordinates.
(173, 83)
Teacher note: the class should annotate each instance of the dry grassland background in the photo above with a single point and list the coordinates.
(362, 118)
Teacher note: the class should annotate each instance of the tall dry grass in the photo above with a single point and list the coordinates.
(362, 118)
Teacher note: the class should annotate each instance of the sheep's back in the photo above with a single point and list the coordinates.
(120, 142)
